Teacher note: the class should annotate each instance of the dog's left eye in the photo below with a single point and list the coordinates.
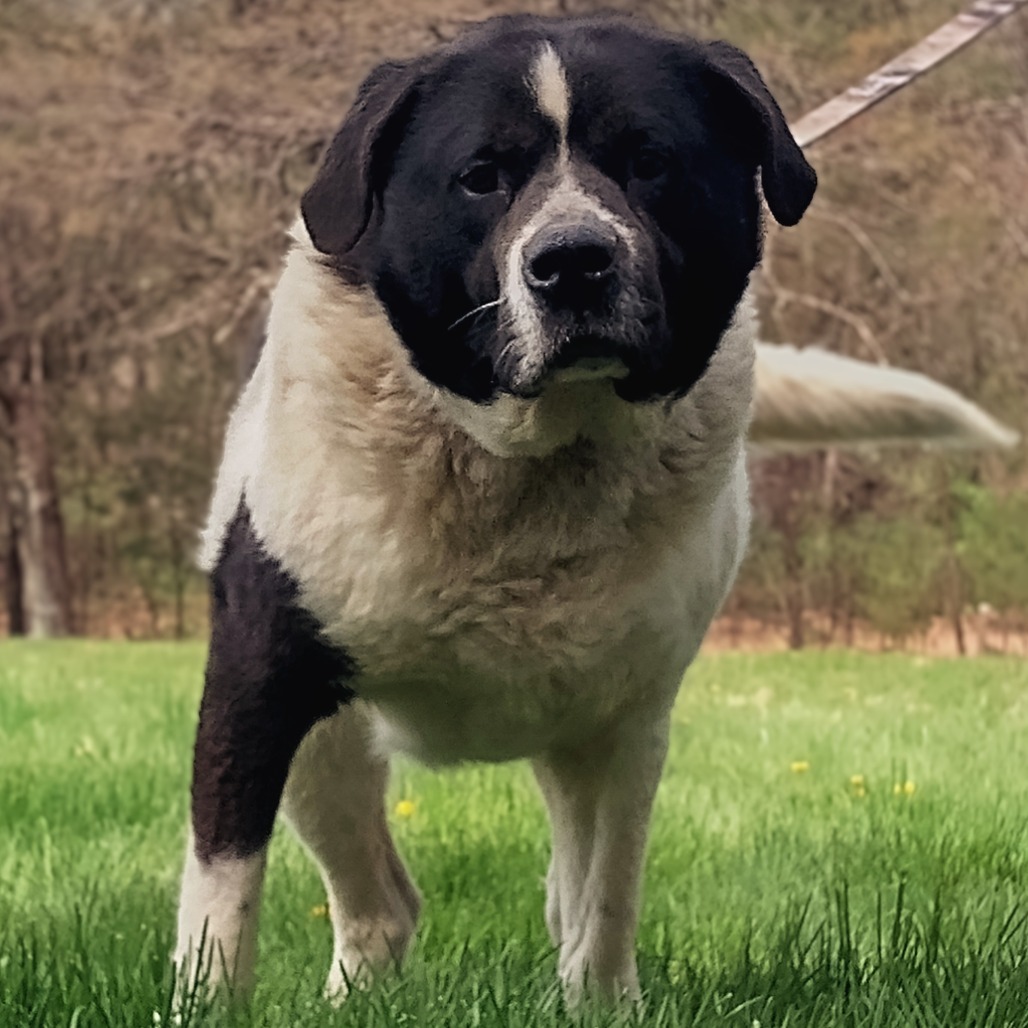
(648, 164)
(480, 178)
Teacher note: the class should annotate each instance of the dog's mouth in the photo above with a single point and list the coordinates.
(582, 357)
(585, 358)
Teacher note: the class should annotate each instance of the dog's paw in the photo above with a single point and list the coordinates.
(587, 978)
(370, 950)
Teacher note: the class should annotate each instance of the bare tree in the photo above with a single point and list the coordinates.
(37, 554)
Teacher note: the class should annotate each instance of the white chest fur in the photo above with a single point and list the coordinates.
(495, 605)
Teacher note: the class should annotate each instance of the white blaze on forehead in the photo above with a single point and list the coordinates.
(550, 86)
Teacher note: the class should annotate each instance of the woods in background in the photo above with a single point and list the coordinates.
(152, 156)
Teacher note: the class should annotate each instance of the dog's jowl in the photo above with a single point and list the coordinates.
(485, 488)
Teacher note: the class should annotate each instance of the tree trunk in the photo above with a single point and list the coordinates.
(14, 587)
(955, 601)
(794, 599)
(41, 551)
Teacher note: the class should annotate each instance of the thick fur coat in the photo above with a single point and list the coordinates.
(496, 603)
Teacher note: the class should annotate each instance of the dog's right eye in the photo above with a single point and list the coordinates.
(648, 165)
(480, 178)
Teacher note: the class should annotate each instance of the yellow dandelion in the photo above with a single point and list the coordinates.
(857, 781)
(405, 809)
(321, 910)
(799, 767)
(906, 788)
(86, 747)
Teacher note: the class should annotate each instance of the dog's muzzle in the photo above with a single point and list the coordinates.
(571, 268)
(574, 270)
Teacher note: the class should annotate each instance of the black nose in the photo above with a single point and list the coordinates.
(571, 266)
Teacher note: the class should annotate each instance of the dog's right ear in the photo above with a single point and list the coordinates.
(788, 180)
(338, 205)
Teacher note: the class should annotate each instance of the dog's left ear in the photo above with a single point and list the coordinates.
(338, 205)
(788, 180)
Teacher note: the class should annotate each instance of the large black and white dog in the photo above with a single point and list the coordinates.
(486, 487)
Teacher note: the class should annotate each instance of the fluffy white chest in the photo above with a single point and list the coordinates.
(498, 666)
(494, 627)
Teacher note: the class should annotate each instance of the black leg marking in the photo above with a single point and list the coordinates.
(270, 676)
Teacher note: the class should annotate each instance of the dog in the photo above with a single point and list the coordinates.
(486, 487)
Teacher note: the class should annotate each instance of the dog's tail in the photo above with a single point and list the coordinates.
(810, 398)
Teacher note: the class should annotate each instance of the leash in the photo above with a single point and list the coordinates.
(935, 48)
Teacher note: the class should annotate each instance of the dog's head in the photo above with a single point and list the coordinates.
(552, 200)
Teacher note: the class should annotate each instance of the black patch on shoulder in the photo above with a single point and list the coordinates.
(271, 674)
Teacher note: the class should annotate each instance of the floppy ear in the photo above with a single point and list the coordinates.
(788, 180)
(337, 207)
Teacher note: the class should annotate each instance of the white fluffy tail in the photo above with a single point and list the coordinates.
(810, 398)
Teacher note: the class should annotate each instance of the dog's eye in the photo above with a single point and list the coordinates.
(648, 164)
(480, 178)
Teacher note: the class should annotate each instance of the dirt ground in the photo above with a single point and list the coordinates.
(984, 634)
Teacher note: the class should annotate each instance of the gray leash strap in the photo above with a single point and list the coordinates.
(945, 41)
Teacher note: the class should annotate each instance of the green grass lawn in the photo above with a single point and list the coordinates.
(780, 891)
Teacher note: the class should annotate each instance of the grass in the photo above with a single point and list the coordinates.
(780, 891)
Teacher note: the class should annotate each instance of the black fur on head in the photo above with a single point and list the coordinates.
(441, 171)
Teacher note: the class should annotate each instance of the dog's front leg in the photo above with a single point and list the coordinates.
(599, 798)
(270, 676)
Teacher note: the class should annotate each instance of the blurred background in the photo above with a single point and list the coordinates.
(152, 155)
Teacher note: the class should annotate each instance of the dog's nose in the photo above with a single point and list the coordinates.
(571, 266)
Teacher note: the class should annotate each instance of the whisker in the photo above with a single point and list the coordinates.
(472, 313)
